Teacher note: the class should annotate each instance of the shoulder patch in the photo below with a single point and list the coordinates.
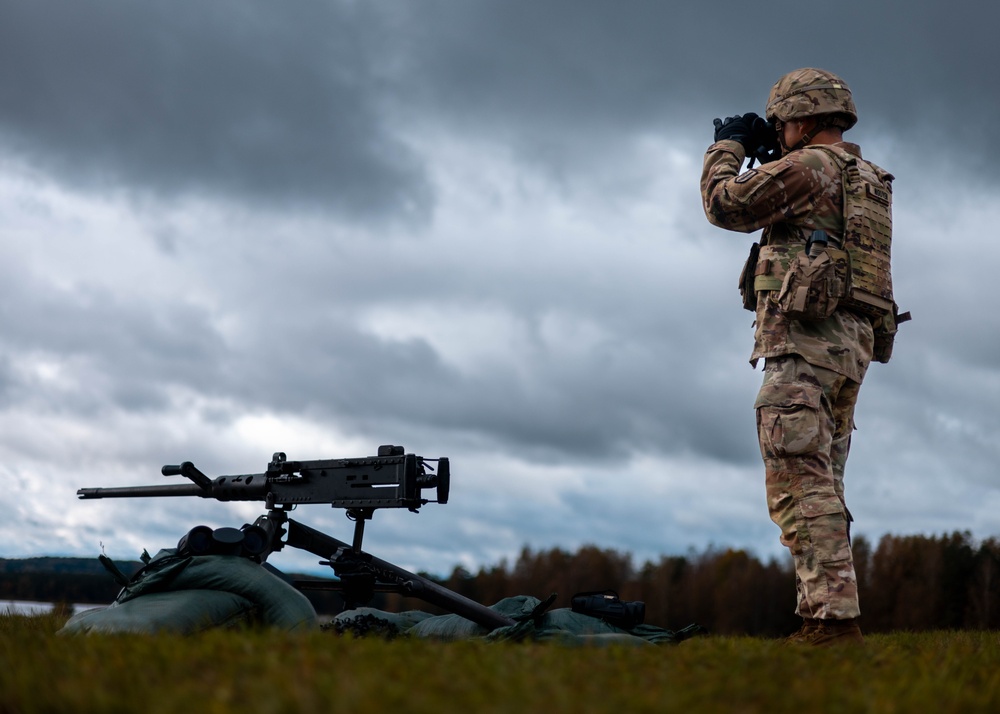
(746, 176)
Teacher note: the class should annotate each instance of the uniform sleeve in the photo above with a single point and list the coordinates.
(748, 201)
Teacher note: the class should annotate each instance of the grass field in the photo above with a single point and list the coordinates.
(260, 671)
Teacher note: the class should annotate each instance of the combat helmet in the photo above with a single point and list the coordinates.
(812, 92)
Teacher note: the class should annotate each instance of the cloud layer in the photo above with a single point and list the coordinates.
(474, 230)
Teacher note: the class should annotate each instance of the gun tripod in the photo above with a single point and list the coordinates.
(362, 574)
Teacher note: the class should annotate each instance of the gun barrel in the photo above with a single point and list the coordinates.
(182, 489)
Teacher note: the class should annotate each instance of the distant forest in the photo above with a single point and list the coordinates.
(906, 583)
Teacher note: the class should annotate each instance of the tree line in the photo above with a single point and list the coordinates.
(905, 583)
(912, 582)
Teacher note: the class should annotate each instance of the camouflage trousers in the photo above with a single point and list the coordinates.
(805, 415)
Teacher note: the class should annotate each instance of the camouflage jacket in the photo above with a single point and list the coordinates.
(788, 198)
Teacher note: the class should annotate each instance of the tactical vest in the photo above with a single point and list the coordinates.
(866, 241)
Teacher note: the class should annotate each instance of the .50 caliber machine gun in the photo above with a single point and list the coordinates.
(392, 479)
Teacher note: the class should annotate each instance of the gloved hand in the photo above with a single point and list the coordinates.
(737, 128)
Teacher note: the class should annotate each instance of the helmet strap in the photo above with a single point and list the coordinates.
(803, 140)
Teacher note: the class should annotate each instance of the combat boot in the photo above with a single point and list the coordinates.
(835, 633)
(809, 625)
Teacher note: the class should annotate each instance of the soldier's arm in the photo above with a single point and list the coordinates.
(754, 199)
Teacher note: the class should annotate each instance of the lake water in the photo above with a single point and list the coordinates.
(21, 607)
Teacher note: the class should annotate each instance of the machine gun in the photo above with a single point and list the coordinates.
(392, 479)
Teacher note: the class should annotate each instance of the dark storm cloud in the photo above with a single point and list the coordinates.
(542, 395)
(305, 102)
(123, 353)
(256, 100)
(582, 411)
(571, 412)
(302, 348)
(570, 76)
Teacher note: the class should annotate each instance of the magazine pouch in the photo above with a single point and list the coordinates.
(815, 284)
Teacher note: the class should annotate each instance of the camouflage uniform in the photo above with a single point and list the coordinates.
(813, 371)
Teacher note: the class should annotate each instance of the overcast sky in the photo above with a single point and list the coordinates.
(474, 229)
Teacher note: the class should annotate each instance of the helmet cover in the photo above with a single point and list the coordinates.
(811, 92)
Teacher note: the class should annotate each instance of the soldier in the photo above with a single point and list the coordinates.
(821, 290)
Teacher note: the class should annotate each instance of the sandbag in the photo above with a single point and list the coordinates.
(191, 593)
(365, 621)
(533, 622)
(183, 612)
(454, 627)
(279, 604)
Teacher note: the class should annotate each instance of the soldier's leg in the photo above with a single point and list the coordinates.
(843, 403)
(796, 427)
(841, 394)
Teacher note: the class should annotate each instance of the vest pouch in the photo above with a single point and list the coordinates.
(814, 285)
(747, 292)
(885, 333)
(885, 338)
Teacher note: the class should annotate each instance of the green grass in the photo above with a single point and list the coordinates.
(261, 671)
